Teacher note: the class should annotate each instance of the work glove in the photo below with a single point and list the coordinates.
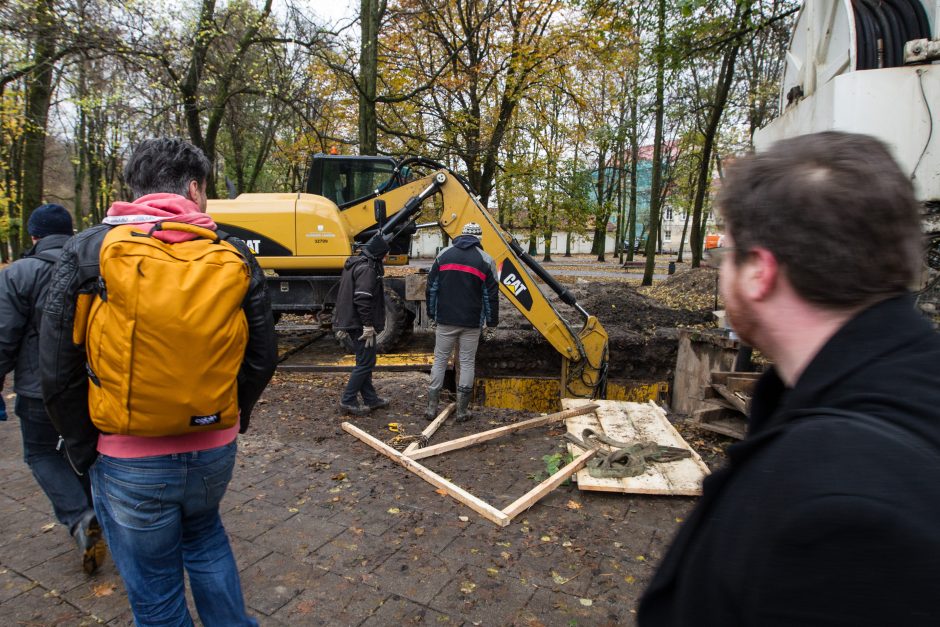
(489, 334)
(432, 324)
(368, 336)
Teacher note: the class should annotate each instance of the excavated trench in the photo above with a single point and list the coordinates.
(517, 368)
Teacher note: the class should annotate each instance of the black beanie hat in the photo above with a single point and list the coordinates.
(376, 248)
(49, 219)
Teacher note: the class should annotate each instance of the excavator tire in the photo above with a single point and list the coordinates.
(396, 319)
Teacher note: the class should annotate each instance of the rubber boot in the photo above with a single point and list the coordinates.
(463, 403)
(434, 397)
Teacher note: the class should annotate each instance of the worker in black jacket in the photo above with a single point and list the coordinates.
(22, 294)
(827, 513)
(360, 312)
(462, 296)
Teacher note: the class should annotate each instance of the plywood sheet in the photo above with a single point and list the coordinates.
(626, 421)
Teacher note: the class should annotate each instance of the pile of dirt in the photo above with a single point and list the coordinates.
(691, 289)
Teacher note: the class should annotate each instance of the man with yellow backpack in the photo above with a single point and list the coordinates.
(157, 340)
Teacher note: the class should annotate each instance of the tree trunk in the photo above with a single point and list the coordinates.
(38, 97)
(657, 146)
(369, 17)
(722, 89)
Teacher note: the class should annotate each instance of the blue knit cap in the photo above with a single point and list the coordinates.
(49, 219)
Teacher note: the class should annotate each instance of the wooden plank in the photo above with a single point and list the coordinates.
(722, 376)
(485, 436)
(640, 421)
(478, 505)
(732, 397)
(742, 385)
(535, 494)
(722, 420)
(431, 428)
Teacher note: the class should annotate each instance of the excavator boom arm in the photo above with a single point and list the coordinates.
(584, 353)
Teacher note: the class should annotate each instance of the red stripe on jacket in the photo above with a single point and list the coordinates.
(462, 268)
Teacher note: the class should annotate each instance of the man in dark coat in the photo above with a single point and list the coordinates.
(360, 312)
(827, 512)
(22, 294)
(462, 296)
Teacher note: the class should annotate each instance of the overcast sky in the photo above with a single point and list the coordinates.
(333, 10)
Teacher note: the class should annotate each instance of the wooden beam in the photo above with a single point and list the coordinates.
(431, 428)
(485, 436)
(535, 494)
(478, 505)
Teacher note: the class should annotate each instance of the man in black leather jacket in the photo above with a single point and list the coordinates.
(22, 293)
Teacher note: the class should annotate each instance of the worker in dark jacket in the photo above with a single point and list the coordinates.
(827, 513)
(360, 312)
(22, 294)
(462, 296)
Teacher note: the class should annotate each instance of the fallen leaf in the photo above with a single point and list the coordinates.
(586, 602)
(640, 558)
(467, 587)
(104, 589)
(419, 531)
(48, 527)
(629, 579)
(546, 538)
(394, 510)
(463, 518)
(678, 520)
(574, 505)
(566, 543)
(293, 510)
(339, 477)
(505, 555)
(492, 571)
(441, 491)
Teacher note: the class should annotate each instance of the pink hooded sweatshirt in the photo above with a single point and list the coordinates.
(145, 210)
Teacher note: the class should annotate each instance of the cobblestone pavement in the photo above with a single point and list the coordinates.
(327, 532)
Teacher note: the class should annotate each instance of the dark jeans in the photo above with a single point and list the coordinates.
(69, 494)
(360, 380)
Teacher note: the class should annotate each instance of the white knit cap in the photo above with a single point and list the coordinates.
(472, 228)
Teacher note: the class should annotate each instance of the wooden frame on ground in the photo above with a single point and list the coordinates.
(500, 517)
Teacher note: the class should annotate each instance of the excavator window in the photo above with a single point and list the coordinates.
(345, 179)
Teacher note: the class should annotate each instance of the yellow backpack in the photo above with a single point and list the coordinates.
(165, 332)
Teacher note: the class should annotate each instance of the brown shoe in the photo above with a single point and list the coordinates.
(90, 542)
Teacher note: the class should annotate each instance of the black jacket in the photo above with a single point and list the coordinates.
(360, 301)
(62, 363)
(828, 513)
(462, 289)
(22, 293)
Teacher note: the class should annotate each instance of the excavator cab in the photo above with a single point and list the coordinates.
(348, 179)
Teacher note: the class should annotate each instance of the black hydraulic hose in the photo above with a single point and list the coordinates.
(563, 293)
(890, 50)
(866, 38)
(412, 206)
(893, 23)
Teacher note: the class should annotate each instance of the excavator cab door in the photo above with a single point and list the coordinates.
(346, 180)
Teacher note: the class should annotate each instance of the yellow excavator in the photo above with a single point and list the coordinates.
(302, 241)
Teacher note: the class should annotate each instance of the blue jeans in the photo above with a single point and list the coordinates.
(69, 494)
(360, 379)
(161, 514)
